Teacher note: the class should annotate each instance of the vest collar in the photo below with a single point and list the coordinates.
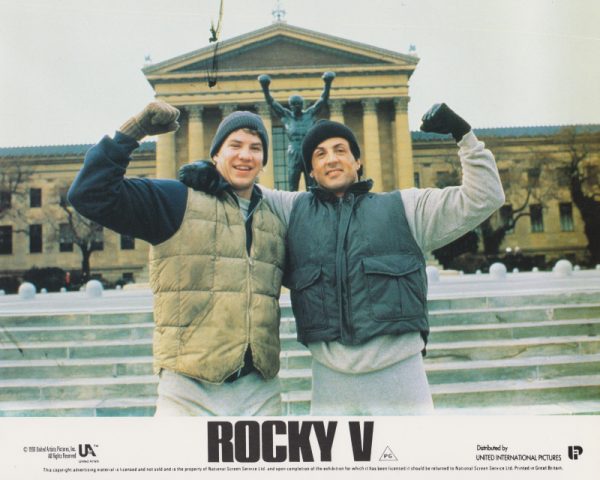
(358, 188)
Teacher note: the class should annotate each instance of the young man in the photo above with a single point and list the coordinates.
(216, 264)
(356, 268)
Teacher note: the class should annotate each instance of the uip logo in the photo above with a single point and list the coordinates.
(575, 452)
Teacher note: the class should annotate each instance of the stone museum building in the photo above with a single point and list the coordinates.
(370, 94)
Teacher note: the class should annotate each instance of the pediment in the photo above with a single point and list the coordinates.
(281, 46)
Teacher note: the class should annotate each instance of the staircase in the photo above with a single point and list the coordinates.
(501, 354)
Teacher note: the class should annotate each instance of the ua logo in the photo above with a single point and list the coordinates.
(85, 450)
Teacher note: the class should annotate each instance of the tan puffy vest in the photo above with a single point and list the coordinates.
(211, 300)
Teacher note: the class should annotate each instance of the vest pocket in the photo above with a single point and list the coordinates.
(395, 284)
(307, 294)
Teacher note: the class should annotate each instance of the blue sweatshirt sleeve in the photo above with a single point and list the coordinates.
(150, 209)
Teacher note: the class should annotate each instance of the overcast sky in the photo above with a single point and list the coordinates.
(71, 69)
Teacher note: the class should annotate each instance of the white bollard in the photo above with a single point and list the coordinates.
(2, 292)
(515, 270)
(118, 287)
(433, 274)
(498, 271)
(43, 291)
(63, 289)
(576, 268)
(27, 291)
(563, 269)
(535, 269)
(94, 289)
(478, 272)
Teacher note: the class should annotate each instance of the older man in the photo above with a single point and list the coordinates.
(216, 264)
(356, 268)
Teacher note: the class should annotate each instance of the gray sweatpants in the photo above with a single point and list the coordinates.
(400, 389)
(179, 395)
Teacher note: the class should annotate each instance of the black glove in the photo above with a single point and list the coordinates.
(203, 176)
(441, 119)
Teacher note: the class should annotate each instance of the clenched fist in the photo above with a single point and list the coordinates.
(264, 80)
(328, 77)
(442, 119)
(158, 117)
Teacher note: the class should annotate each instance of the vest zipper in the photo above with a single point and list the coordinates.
(345, 213)
(249, 264)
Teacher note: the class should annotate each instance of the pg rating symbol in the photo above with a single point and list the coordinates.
(388, 455)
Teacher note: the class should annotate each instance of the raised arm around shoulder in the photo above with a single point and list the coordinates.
(280, 202)
(439, 216)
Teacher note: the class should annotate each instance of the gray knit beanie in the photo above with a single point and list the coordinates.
(236, 120)
(323, 130)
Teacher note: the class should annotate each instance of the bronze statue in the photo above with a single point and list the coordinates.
(297, 122)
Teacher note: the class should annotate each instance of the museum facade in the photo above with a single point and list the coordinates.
(370, 94)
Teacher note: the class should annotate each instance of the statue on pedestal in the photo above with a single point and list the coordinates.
(297, 122)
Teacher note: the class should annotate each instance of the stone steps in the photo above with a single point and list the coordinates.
(504, 397)
(486, 331)
(77, 333)
(498, 354)
(75, 319)
(76, 349)
(525, 347)
(121, 407)
(522, 392)
(76, 367)
(516, 299)
(500, 315)
(449, 333)
(77, 388)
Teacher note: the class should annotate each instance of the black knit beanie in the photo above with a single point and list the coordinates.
(321, 131)
(236, 120)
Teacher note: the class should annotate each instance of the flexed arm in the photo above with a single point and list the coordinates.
(438, 216)
(322, 101)
(150, 209)
(279, 109)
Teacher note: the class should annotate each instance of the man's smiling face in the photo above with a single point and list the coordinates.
(240, 160)
(334, 165)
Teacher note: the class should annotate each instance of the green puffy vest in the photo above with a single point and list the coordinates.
(212, 300)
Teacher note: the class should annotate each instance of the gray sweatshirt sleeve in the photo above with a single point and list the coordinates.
(437, 216)
(280, 202)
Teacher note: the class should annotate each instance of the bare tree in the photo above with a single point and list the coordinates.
(580, 170)
(14, 176)
(527, 184)
(72, 228)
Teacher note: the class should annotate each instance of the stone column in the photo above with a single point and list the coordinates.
(405, 172)
(371, 155)
(228, 108)
(267, 176)
(336, 110)
(195, 134)
(166, 161)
